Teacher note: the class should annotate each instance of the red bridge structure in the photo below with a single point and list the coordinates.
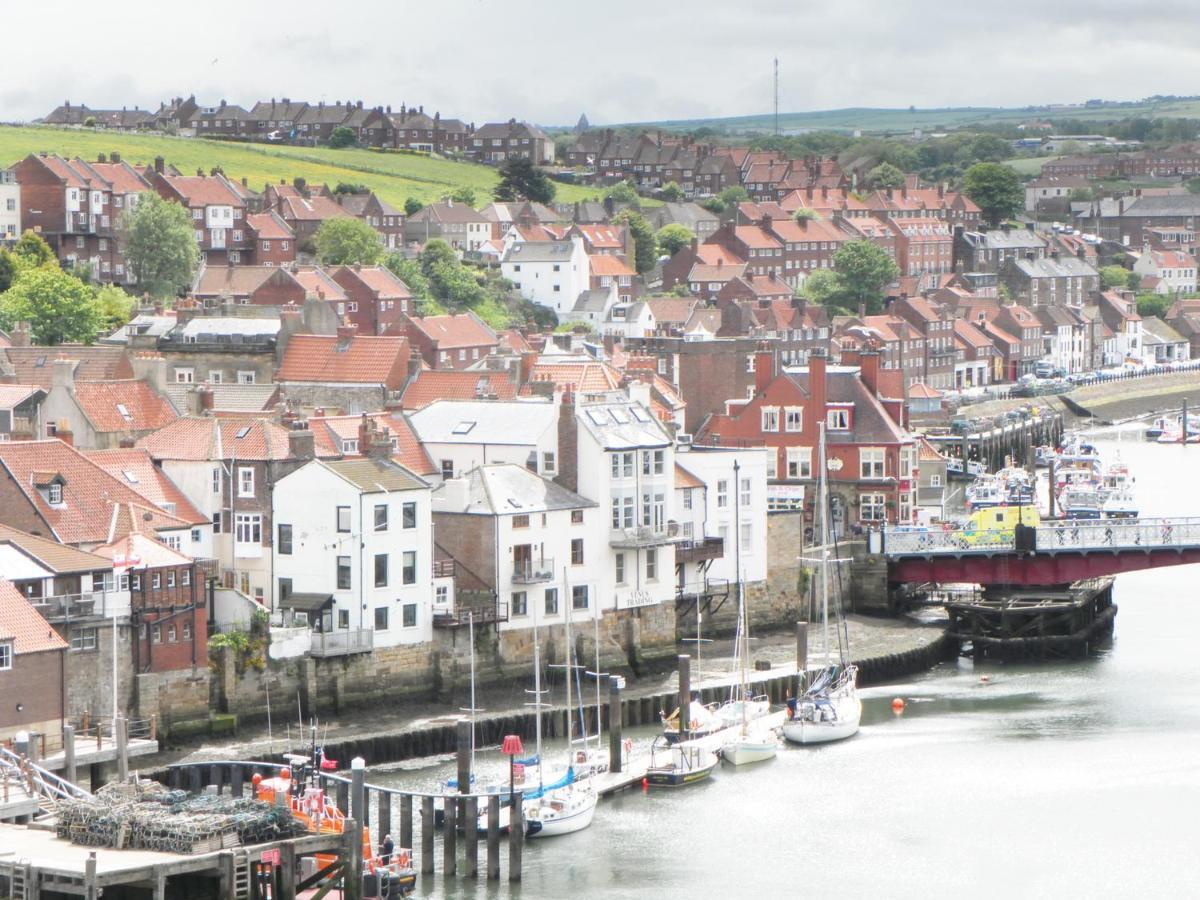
(1052, 553)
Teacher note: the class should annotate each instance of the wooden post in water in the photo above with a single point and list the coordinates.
(358, 798)
(121, 727)
(463, 751)
(352, 871)
(343, 797)
(236, 777)
(450, 836)
(406, 809)
(385, 814)
(426, 835)
(471, 833)
(516, 835)
(493, 837)
(685, 694)
(69, 753)
(615, 682)
(802, 655)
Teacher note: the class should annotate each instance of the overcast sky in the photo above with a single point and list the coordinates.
(617, 60)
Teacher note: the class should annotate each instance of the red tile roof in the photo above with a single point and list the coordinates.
(122, 405)
(329, 431)
(605, 236)
(685, 479)
(135, 467)
(378, 279)
(317, 281)
(204, 190)
(461, 330)
(361, 359)
(122, 177)
(609, 265)
(311, 209)
(90, 494)
(24, 625)
(15, 394)
(447, 384)
(203, 438)
(921, 391)
(582, 376)
(755, 237)
(149, 552)
(268, 226)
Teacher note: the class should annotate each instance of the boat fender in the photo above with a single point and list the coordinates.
(403, 859)
(694, 724)
(627, 744)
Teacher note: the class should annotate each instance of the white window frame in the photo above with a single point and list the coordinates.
(245, 481)
(769, 420)
(872, 463)
(246, 526)
(793, 419)
(799, 462)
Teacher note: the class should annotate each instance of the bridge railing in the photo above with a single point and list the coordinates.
(1067, 535)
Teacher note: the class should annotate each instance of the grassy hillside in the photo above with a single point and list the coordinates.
(394, 176)
(904, 120)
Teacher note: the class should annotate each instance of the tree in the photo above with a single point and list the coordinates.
(57, 306)
(715, 205)
(463, 195)
(824, 287)
(342, 137)
(1114, 277)
(344, 241)
(804, 213)
(115, 305)
(347, 187)
(996, 189)
(520, 179)
(32, 251)
(990, 148)
(1080, 195)
(733, 195)
(450, 282)
(412, 206)
(160, 245)
(672, 192)
(673, 238)
(645, 248)
(409, 271)
(864, 269)
(884, 176)
(8, 270)
(624, 192)
(1153, 305)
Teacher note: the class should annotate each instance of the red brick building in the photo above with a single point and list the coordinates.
(218, 211)
(872, 459)
(31, 668)
(274, 240)
(376, 300)
(454, 341)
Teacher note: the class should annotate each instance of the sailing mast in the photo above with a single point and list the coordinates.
(743, 642)
(822, 500)
(471, 639)
(569, 672)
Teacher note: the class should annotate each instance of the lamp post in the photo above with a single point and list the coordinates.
(512, 748)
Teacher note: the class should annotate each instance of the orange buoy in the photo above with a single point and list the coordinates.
(983, 679)
(285, 772)
(645, 784)
(897, 705)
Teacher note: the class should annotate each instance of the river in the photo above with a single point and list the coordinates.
(1047, 780)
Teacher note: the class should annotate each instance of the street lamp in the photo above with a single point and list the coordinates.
(512, 748)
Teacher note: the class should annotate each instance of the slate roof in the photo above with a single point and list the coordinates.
(375, 475)
(227, 395)
(24, 625)
(484, 421)
(506, 489)
(35, 365)
(61, 559)
(622, 424)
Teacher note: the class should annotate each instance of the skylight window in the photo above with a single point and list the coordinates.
(597, 417)
(124, 411)
(619, 415)
(131, 477)
(640, 414)
(242, 432)
(463, 428)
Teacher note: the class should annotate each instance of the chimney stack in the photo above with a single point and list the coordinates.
(868, 361)
(374, 441)
(764, 370)
(817, 377)
(301, 441)
(64, 373)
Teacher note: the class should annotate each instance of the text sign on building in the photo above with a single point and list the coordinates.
(271, 856)
(785, 497)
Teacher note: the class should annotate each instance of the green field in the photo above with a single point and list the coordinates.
(393, 176)
(877, 120)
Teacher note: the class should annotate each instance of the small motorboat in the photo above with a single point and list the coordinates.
(679, 764)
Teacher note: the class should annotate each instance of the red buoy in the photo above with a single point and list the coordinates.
(897, 705)
(645, 784)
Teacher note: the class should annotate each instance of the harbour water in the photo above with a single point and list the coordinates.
(1077, 779)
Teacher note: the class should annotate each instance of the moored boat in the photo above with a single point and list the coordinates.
(679, 764)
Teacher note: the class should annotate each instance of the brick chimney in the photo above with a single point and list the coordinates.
(568, 443)
(301, 441)
(868, 361)
(345, 334)
(374, 441)
(817, 377)
(764, 370)
(291, 322)
(20, 335)
(64, 373)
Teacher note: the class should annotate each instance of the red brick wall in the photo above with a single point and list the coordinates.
(36, 682)
(40, 190)
(17, 511)
(276, 256)
(278, 291)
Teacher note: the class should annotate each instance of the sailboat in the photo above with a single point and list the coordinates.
(828, 709)
(568, 808)
(748, 742)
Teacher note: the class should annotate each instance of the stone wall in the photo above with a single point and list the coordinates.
(179, 699)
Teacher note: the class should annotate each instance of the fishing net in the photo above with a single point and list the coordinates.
(148, 816)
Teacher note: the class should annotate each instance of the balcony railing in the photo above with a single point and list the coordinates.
(706, 588)
(88, 603)
(477, 615)
(700, 549)
(533, 571)
(645, 536)
(343, 642)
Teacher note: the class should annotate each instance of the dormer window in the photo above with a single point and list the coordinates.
(54, 494)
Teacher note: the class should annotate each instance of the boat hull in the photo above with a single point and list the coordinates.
(560, 825)
(802, 730)
(674, 778)
(744, 753)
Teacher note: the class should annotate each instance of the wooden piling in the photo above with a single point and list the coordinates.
(516, 835)
(614, 722)
(493, 837)
(471, 836)
(352, 879)
(287, 871)
(236, 785)
(450, 836)
(385, 814)
(406, 823)
(121, 727)
(463, 751)
(69, 753)
(343, 797)
(426, 835)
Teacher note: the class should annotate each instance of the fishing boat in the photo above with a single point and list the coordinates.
(749, 741)
(1042, 456)
(568, 808)
(827, 709)
(679, 764)
(1155, 429)
(985, 490)
(1082, 501)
